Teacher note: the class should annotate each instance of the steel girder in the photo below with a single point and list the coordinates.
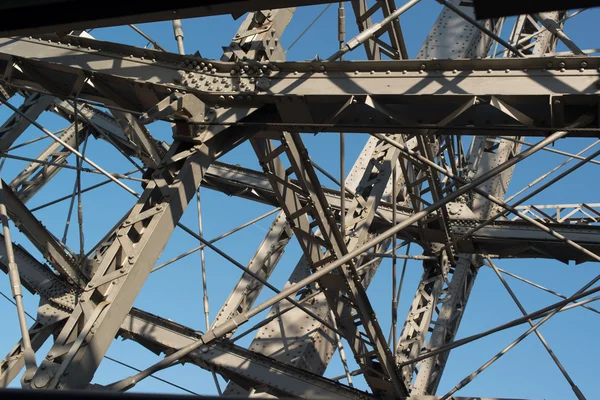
(451, 38)
(358, 96)
(484, 155)
(59, 298)
(121, 266)
(29, 74)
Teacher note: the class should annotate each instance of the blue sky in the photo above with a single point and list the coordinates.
(176, 292)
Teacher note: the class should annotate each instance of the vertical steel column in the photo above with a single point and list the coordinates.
(451, 37)
(485, 154)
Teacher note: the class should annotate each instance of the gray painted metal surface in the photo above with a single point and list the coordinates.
(253, 94)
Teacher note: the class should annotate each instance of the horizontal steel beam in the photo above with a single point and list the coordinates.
(357, 96)
(161, 335)
(243, 366)
(504, 238)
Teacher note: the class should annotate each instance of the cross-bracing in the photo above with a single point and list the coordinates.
(419, 180)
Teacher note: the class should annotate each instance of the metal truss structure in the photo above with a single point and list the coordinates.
(444, 134)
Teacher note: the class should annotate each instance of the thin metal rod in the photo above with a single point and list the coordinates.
(308, 27)
(342, 186)
(50, 203)
(394, 256)
(356, 372)
(483, 29)
(41, 162)
(17, 293)
(227, 326)
(562, 369)
(260, 279)
(371, 31)
(152, 376)
(549, 149)
(341, 30)
(70, 148)
(495, 200)
(222, 236)
(387, 254)
(203, 265)
(76, 188)
(217, 384)
(178, 31)
(541, 313)
(346, 189)
(274, 316)
(527, 197)
(148, 38)
(520, 278)
(111, 141)
(399, 292)
(73, 167)
(544, 176)
(115, 360)
(473, 375)
(17, 146)
(556, 30)
(403, 257)
(341, 351)
(502, 20)
(78, 184)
